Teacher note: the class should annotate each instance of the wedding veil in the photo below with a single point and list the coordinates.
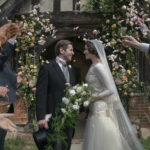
(128, 135)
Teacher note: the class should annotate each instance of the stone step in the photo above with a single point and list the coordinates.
(77, 141)
(76, 144)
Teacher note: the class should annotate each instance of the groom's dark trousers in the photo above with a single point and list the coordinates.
(51, 84)
(7, 78)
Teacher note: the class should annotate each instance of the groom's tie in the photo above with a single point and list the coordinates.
(65, 71)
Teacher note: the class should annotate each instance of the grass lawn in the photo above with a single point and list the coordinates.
(19, 144)
(146, 144)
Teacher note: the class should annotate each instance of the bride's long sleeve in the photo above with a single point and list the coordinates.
(104, 79)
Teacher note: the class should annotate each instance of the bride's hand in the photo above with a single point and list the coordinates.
(94, 98)
(82, 116)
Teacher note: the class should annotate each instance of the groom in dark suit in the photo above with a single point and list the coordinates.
(52, 80)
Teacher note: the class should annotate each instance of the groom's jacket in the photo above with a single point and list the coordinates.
(50, 86)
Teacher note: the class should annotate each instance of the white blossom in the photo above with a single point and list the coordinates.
(124, 7)
(83, 93)
(72, 92)
(35, 67)
(29, 33)
(37, 18)
(112, 57)
(47, 30)
(70, 66)
(86, 103)
(85, 85)
(108, 44)
(106, 40)
(95, 32)
(76, 28)
(65, 100)
(51, 26)
(31, 83)
(121, 66)
(78, 100)
(63, 110)
(115, 64)
(41, 42)
(47, 62)
(131, 23)
(34, 11)
(79, 89)
(148, 19)
(75, 87)
(75, 107)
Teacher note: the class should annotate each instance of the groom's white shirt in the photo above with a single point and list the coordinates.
(145, 48)
(11, 41)
(60, 64)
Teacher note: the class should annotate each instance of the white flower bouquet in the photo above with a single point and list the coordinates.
(67, 112)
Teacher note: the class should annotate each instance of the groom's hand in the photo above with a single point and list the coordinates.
(43, 124)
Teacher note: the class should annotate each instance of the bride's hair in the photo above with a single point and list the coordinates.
(91, 48)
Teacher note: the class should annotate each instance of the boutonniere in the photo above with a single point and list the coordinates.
(69, 66)
(67, 84)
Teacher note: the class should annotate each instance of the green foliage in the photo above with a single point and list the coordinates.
(105, 7)
(146, 144)
(14, 144)
(18, 144)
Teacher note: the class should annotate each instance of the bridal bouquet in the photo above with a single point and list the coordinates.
(67, 113)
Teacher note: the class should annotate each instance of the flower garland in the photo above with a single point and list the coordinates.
(122, 18)
(36, 27)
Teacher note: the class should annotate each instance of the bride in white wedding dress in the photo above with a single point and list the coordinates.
(107, 126)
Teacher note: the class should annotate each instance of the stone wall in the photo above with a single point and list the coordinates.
(20, 113)
(139, 114)
(139, 111)
(47, 5)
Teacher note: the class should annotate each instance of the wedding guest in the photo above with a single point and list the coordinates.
(7, 76)
(131, 41)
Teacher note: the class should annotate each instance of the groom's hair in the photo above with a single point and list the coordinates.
(91, 48)
(61, 44)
